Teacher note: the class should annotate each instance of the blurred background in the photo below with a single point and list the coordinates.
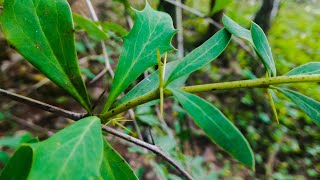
(289, 150)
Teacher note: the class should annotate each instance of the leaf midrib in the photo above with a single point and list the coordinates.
(134, 62)
(269, 59)
(81, 137)
(198, 107)
(304, 102)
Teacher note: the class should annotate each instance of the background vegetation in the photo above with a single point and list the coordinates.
(289, 150)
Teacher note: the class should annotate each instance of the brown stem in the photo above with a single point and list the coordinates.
(42, 105)
(154, 149)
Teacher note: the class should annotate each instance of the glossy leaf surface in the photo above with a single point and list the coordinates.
(152, 30)
(42, 31)
(113, 166)
(73, 153)
(309, 106)
(309, 68)
(202, 55)
(263, 49)
(90, 27)
(217, 127)
(62, 156)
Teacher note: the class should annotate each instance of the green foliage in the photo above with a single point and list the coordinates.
(19, 165)
(110, 26)
(201, 56)
(77, 147)
(258, 40)
(90, 27)
(146, 115)
(15, 141)
(309, 68)
(262, 48)
(45, 37)
(114, 166)
(64, 152)
(235, 29)
(306, 104)
(43, 33)
(152, 30)
(4, 157)
(217, 127)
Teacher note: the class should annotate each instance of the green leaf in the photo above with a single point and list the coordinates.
(90, 27)
(110, 26)
(4, 157)
(151, 83)
(15, 141)
(87, 72)
(63, 156)
(75, 152)
(258, 40)
(114, 166)
(235, 29)
(273, 106)
(145, 114)
(219, 129)
(310, 106)
(202, 55)
(42, 31)
(19, 165)
(263, 49)
(152, 30)
(309, 68)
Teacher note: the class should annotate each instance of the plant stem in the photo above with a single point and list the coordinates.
(255, 83)
(153, 148)
(42, 105)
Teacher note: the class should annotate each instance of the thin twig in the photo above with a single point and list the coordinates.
(103, 45)
(150, 147)
(255, 83)
(42, 105)
(98, 76)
